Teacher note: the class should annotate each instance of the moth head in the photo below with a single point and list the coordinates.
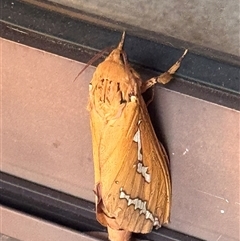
(118, 55)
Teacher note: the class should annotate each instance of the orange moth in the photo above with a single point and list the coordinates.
(132, 179)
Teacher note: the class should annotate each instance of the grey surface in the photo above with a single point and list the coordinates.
(46, 139)
(24, 227)
(212, 24)
(7, 238)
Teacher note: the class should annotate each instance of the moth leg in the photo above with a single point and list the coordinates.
(165, 77)
(152, 97)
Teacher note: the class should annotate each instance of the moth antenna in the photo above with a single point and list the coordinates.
(120, 45)
(93, 59)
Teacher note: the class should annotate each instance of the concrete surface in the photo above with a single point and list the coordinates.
(212, 24)
(46, 139)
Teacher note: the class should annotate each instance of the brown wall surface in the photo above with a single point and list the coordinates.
(46, 139)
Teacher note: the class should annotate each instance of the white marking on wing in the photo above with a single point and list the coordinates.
(143, 170)
(137, 139)
(133, 98)
(140, 205)
(90, 87)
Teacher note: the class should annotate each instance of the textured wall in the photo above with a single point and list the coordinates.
(213, 24)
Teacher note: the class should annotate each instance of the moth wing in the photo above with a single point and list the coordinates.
(128, 199)
(109, 141)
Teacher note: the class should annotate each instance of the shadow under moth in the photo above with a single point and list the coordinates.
(132, 179)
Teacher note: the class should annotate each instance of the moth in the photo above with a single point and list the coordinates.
(132, 179)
